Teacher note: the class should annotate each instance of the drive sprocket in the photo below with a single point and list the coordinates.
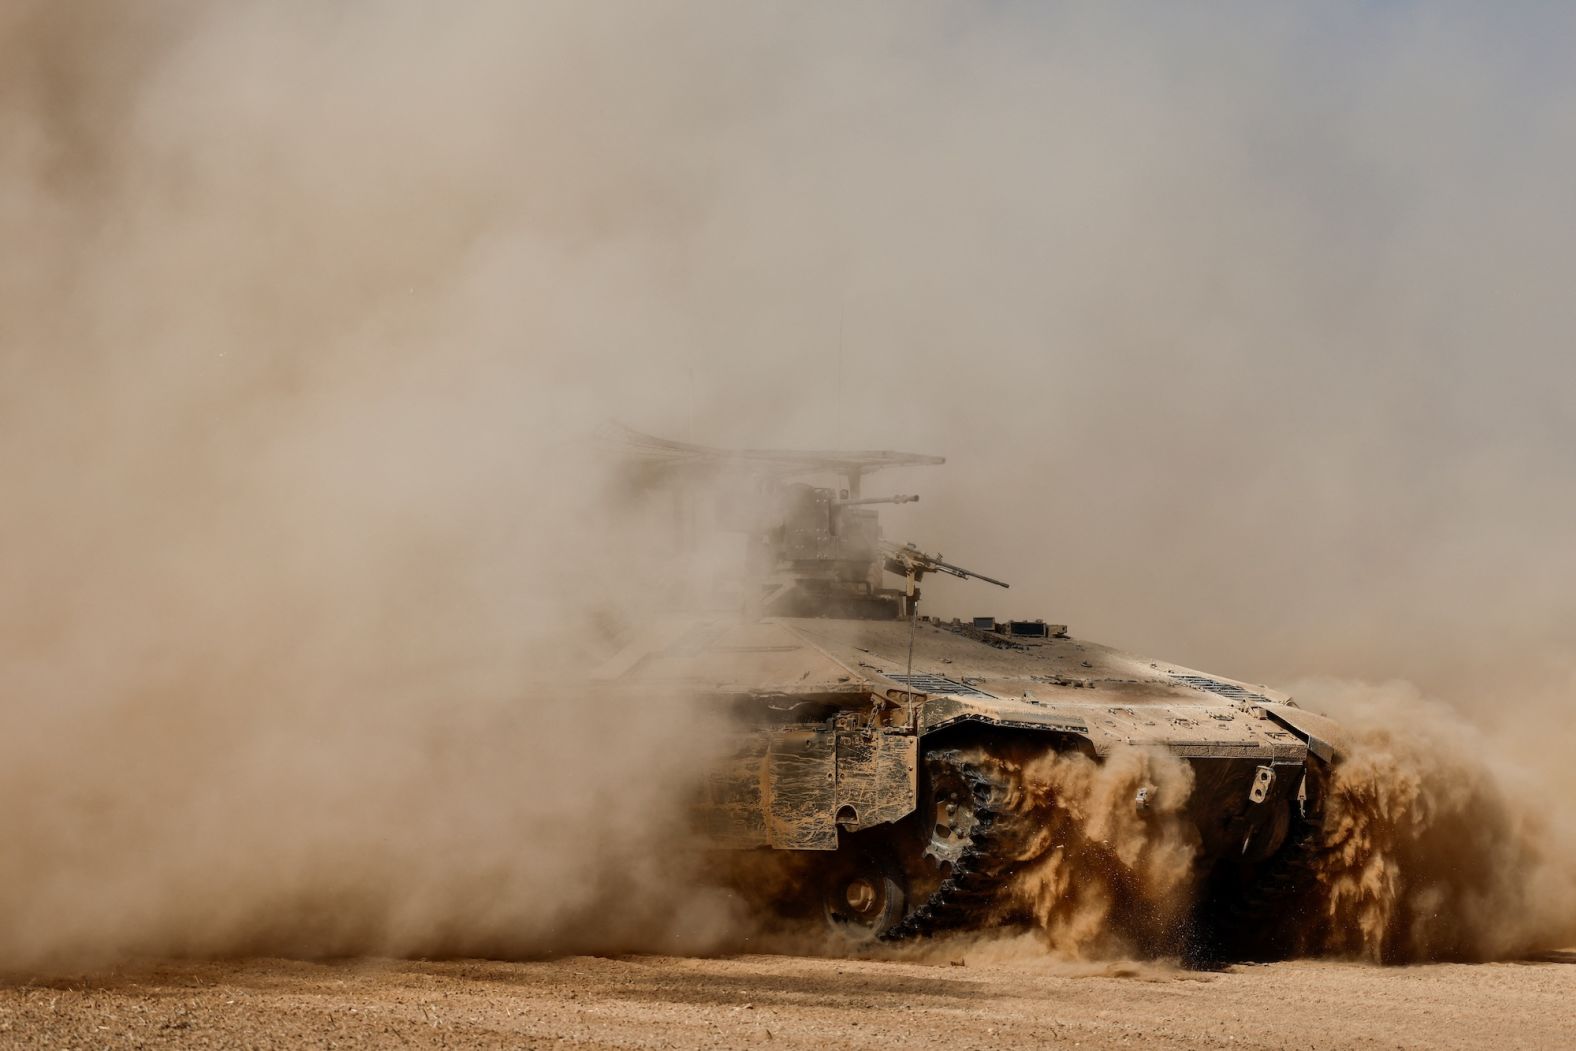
(973, 826)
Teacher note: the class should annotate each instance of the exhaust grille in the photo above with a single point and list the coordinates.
(1224, 689)
(938, 684)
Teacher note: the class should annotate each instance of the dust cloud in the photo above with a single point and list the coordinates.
(1106, 878)
(1245, 334)
(1433, 847)
(307, 551)
(1436, 845)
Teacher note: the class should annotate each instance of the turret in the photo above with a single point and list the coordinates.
(812, 551)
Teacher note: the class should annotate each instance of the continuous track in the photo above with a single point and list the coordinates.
(998, 828)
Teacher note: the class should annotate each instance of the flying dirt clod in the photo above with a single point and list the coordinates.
(894, 775)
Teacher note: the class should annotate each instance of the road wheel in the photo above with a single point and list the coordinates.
(865, 899)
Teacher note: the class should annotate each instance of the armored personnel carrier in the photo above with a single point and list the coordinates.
(876, 746)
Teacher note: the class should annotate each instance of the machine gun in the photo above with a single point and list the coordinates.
(906, 560)
(909, 562)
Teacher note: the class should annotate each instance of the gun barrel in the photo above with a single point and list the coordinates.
(968, 574)
(933, 563)
(901, 498)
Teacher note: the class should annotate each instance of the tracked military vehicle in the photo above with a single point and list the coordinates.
(876, 745)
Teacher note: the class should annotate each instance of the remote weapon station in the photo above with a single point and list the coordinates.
(876, 747)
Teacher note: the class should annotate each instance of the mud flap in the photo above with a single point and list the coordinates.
(876, 780)
(792, 788)
(776, 789)
(801, 790)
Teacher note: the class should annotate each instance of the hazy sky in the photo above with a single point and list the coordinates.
(1246, 329)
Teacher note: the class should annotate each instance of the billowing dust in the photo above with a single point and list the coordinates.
(1434, 846)
(306, 311)
(1109, 875)
(1425, 852)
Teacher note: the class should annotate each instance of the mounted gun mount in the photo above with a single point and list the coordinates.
(814, 550)
(877, 751)
(824, 557)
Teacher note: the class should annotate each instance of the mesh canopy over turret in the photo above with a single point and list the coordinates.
(666, 454)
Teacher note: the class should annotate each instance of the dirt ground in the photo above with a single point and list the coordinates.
(790, 1002)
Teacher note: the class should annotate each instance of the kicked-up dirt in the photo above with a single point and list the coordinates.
(970, 1001)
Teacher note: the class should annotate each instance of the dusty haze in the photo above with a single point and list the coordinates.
(1247, 336)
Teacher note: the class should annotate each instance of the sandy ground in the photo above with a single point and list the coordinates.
(789, 1002)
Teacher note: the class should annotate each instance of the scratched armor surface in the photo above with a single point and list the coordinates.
(866, 734)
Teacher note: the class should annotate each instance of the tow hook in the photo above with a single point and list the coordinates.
(1263, 780)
